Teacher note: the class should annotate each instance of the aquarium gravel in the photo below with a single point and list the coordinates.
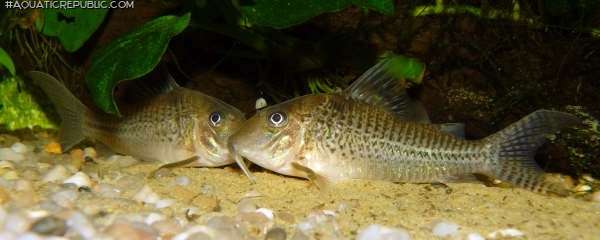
(92, 193)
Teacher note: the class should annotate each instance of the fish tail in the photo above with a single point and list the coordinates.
(516, 145)
(72, 112)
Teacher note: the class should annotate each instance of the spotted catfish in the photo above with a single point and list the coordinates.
(175, 125)
(369, 131)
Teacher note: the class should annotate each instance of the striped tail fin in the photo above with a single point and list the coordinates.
(72, 112)
(516, 146)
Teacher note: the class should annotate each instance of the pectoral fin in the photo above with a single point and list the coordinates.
(320, 181)
(181, 163)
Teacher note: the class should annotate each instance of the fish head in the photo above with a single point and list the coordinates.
(216, 121)
(273, 138)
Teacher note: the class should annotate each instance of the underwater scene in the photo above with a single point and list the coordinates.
(299, 119)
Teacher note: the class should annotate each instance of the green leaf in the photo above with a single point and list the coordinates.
(72, 26)
(282, 14)
(131, 56)
(7, 62)
(19, 109)
(406, 68)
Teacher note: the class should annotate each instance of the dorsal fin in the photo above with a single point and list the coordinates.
(379, 87)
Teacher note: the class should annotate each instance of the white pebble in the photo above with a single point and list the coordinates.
(154, 217)
(59, 172)
(509, 232)
(16, 222)
(183, 180)
(163, 203)
(267, 212)
(21, 148)
(123, 161)
(79, 179)
(377, 232)
(195, 231)
(146, 195)
(246, 205)
(475, 236)
(260, 103)
(64, 198)
(443, 229)
(89, 152)
(107, 190)
(30, 236)
(10, 155)
(79, 222)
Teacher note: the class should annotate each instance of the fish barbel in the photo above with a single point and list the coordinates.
(175, 125)
(369, 131)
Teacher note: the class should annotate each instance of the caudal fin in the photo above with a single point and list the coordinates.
(516, 146)
(70, 109)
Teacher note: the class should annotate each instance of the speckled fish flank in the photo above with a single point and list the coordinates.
(173, 126)
(334, 137)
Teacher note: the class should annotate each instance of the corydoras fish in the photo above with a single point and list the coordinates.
(175, 125)
(369, 131)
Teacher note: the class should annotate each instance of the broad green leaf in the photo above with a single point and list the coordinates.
(406, 68)
(131, 56)
(6, 61)
(282, 14)
(19, 109)
(72, 26)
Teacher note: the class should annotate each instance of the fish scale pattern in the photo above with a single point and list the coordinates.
(368, 142)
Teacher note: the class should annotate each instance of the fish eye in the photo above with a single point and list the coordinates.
(215, 118)
(277, 119)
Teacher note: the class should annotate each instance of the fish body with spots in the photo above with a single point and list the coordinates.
(171, 126)
(372, 131)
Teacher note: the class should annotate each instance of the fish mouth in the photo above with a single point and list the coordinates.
(260, 154)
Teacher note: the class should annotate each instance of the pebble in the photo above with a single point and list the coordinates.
(197, 232)
(80, 179)
(182, 180)
(163, 203)
(475, 236)
(125, 230)
(18, 147)
(64, 198)
(57, 173)
(16, 222)
(53, 147)
(9, 155)
(319, 223)
(154, 217)
(107, 190)
(49, 225)
(246, 205)
(123, 161)
(444, 229)
(167, 227)
(80, 224)
(146, 195)
(276, 233)
(506, 233)
(377, 232)
(89, 152)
